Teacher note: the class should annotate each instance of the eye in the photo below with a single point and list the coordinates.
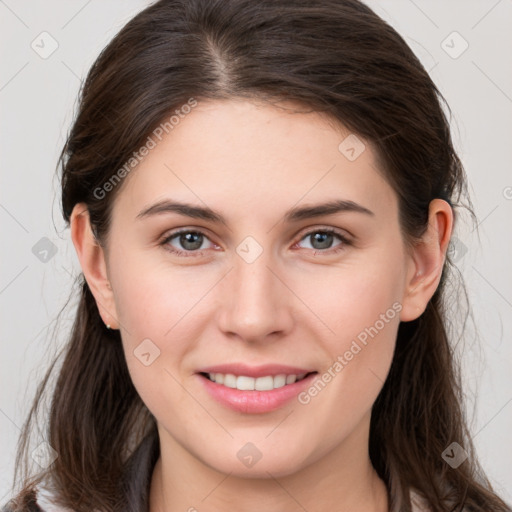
(188, 242)
(322, 239)
(191, 241)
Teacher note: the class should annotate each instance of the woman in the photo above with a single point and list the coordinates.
(261, 196)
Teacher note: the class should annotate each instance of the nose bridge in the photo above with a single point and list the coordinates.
(258, 304)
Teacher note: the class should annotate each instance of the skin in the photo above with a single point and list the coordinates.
(298, 303)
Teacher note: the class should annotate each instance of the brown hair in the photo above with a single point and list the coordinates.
(333, 56)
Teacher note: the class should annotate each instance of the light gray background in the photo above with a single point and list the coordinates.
(38, 95)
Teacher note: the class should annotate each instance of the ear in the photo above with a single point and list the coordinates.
(427, 259)
(94, 266)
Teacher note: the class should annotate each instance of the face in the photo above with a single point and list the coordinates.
(265, 287)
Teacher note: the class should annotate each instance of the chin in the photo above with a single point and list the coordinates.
(249, 462)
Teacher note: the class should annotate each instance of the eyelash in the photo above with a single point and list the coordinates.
(197, 253)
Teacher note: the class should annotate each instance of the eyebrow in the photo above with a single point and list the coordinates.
(292, 215)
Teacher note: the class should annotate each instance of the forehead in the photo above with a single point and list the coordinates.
(248, 156)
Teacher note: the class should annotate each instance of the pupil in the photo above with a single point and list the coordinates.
(185, 239)
(322, 237)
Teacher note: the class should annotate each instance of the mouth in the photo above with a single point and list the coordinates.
(247, 383)
(262, 393)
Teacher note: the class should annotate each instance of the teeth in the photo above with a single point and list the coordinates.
(244, 383)
(290, 379)
(279, 381)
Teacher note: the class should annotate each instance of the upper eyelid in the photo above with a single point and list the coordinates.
(173, 234)
(343, 234)
(337, 231)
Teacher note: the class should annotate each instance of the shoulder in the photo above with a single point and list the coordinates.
(418, 502)
(136, 482)
(29, 503)
(45, 500)
(41, 499)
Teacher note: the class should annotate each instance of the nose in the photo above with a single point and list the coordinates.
(255, 303)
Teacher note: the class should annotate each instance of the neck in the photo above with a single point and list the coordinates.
(343, 479)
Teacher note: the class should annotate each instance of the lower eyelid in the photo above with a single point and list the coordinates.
(166, 241)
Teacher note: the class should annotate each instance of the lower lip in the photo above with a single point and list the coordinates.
(254, 402)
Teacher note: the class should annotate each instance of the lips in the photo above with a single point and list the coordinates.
(255, 389)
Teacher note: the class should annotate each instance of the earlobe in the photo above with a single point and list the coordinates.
(427, 261)
(92, 260)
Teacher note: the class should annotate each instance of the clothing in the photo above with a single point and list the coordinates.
(137, 482)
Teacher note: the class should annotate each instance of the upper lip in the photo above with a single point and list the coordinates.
(255, 371)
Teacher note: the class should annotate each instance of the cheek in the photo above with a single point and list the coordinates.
(362, 310)
(153, 298)
(162, 320)
(353, 298)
